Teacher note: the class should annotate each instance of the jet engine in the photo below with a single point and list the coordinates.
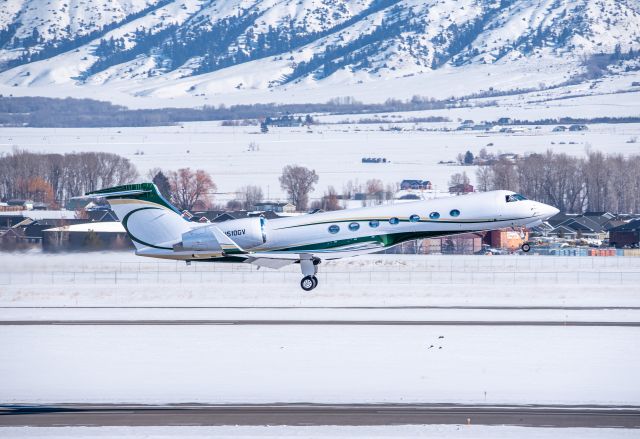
(246, 232)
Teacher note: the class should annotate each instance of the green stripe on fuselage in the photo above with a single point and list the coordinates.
(386, 240)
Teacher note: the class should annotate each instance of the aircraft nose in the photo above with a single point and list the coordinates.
(549, 211)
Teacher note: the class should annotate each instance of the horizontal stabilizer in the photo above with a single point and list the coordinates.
(115, 194)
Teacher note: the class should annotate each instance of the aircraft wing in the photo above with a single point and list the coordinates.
(271, 262)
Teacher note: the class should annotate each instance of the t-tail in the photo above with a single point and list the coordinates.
(153, 224)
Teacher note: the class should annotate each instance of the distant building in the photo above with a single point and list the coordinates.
(13, 239)
(216, 216)
(272, 206)
(462, 188)
(578, 128)
(284, 121)
(415, 184)
(24, 204)
(626, 235)
(559, 129)
(87, 236)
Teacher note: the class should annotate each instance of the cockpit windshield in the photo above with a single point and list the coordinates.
(515, 197)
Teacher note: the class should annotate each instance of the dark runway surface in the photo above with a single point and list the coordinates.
(319, 414)
(196, 322)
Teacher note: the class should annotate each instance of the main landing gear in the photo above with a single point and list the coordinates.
(308, 283)
(309, 267)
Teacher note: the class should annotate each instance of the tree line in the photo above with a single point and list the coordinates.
(69, 112)
(597, 182)
(55, 178)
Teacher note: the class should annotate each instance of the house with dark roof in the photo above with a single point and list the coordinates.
(101, 215)
(415, 184)
(462, 188)
(588, 225)
(216, 216)
(626, 235)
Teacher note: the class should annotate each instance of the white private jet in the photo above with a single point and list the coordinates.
(158, 229)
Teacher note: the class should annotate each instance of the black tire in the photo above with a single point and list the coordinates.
(315, 281)
(525, 247)
(307, 283)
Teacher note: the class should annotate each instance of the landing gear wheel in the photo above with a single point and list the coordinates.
(307, 283)
(315, 281)
(525, 247)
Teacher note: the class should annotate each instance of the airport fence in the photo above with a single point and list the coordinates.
(471, 277)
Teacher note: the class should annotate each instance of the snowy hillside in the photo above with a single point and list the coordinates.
(177, 48)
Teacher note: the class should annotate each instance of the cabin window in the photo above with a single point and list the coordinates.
(394, 220)
(515, 197)
(354, 226)
(334, 228)
(454, 213)
(374, 223)
(434, 215)
(414, 218)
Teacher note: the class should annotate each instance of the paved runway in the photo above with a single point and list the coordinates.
(319, 414)
(197, 322)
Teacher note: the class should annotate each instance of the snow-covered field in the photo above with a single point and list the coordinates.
(334, 151)
(334, 432)
(332, 364)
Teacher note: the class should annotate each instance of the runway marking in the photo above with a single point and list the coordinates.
(563, 308)
(320, 414)
(310, 323)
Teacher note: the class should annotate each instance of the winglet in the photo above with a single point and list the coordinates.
(228, 246)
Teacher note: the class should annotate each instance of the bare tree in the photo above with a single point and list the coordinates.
(572, 184)
(504, 175)
(484, 178)
(234, 205)
(375, 190)
(250, 196)
(459, 178)
(188, 187)
(298, 181)
(374, 186)
(350, 188)
(329, 201)
(596, 181)
(67, 175)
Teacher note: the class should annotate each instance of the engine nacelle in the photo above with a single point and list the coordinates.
(246, 232)
(201, 239)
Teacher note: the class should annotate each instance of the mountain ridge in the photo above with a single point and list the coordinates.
(204, 47)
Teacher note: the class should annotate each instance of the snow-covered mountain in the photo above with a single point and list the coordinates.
(172, 48)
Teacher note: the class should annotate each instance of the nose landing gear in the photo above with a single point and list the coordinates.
(309, 267)
(525, 247)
